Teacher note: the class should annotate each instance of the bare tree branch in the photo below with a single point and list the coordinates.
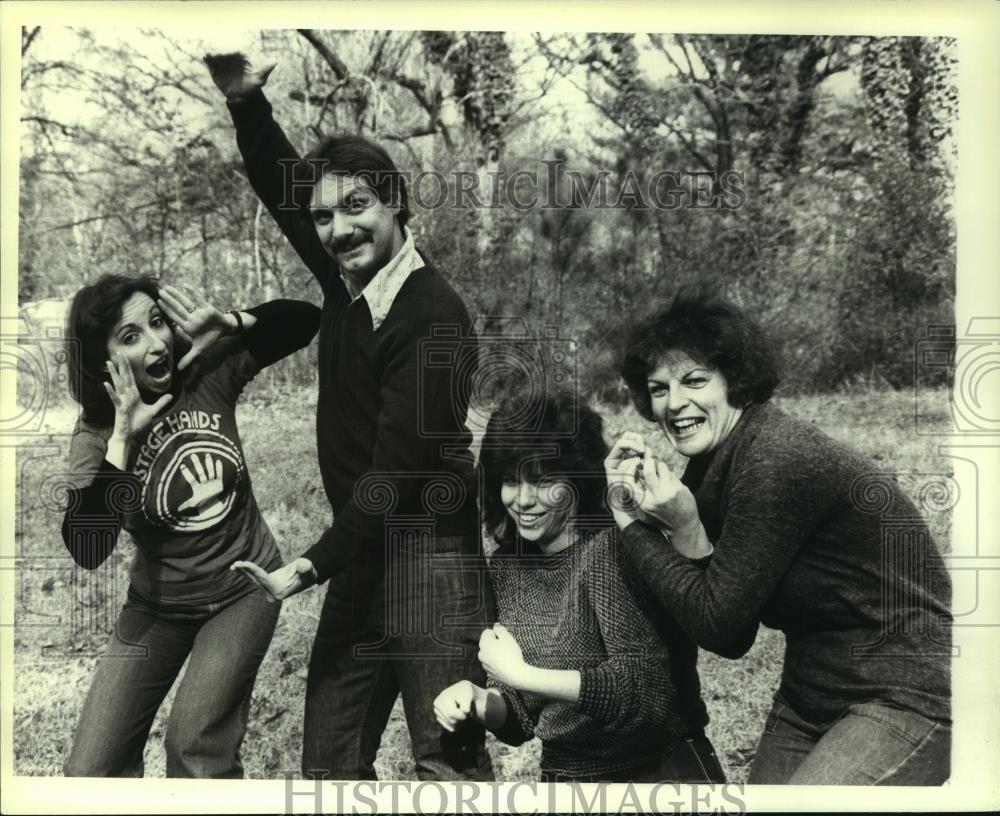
(419, 91)
(69, 131)
(28, 37)
(429, 130)
(336, 63)
(116, 214)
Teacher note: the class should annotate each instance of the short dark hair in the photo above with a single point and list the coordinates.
(95, 310)
(357, 156)
(711, 331)
(563, 439)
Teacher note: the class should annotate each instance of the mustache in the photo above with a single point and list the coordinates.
(348, 243)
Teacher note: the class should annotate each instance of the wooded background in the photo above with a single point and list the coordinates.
(843, 244)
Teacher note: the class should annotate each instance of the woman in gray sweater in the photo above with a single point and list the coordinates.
(804, 537)
(582, 657)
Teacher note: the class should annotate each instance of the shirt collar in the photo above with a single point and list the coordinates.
(381, 290)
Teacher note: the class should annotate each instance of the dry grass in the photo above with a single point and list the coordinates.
(63, 615)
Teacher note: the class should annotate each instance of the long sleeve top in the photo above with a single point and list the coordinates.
(810, 541)
(584, 608)
(390, 422)
(185, 495)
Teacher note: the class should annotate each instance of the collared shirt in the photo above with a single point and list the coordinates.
(381, 290)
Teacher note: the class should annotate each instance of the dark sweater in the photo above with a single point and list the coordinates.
(585, 609)
(390, 423)
(185, 544)
(859, 588)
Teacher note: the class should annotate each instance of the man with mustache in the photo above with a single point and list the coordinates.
(407, 595)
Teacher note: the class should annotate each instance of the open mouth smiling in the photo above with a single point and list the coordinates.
(686, 426)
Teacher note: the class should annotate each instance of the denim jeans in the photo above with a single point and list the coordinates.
(411, 627)
(226, 644)
(872, 743)
(688, 761)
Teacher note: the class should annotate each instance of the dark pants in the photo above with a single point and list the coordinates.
(687, 761)
(226, 644)
(410, 628)
(871, 744)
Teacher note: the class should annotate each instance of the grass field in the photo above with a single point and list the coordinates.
(63, 615)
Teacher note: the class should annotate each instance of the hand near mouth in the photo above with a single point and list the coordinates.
(132, 415)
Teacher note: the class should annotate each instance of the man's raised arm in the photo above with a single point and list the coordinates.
(268, 156)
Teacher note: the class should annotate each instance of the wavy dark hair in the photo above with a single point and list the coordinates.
(95, 310)
(558, 437)
(355, 156)
(711, 331)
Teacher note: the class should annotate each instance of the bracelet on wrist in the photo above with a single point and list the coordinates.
(239, 320)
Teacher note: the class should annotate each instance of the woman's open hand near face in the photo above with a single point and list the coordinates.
(195, 318)
(132, 415)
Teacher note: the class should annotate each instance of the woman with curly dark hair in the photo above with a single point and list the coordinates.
(158, 371)
(581, 656)
(796, 544)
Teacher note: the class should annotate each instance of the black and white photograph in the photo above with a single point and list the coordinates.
(518, 407)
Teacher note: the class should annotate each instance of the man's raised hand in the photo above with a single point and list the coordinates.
(235, 76)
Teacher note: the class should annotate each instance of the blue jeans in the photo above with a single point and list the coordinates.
(872, 743)
(411, 627)
(226, 644)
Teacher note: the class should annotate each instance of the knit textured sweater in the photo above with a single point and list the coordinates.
(809, 539)
(391, 411)
(584, 608)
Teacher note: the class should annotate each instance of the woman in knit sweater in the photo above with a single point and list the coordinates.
(581, 657)
(807, 539)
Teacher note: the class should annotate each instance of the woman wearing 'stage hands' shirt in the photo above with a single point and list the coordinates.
(157, 372)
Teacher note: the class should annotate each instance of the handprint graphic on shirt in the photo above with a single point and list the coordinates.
(206, 486)
(194, 479)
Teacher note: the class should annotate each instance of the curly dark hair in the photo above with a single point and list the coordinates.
(711, 331)
(95, 310)
(356, 156)
(563, 439)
